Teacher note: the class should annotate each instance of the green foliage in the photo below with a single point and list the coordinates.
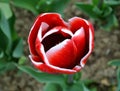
(52, 87)
(40, 76)
(18, 49)
(102, 12)
(40, 6)
(26, 4)
(6, 66)
(11, 46)
(5, 32)
(5, 8)
(118, 78)
(116, 62)
(58, 82)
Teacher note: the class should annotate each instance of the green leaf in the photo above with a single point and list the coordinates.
(52, 87)
(112, 2)
(42, 77)
(22, 60)
(118, 78)
(6, 66)
(5, 8)
(88, 9)
(95, 2)
(5, 31)
(115, 21)
(97, 11)
(85, 88)
(109, 23)
(87, 81)
(93, 89)
(26, 4)
(1, 53)
(4, 25)
(2, 64)
(107, 11)
(58, 6)
(12, 27)
(3, 41)
(77, 76)
(52, 6)
(5, 1)
(114, 62)
(77, 87)
(18, 50)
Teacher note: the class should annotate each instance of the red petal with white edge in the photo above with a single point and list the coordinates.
(54, 70)
(39, 46)
(90, 42)
(80, 42)
(33, 35)
(40, 49)
(51, 19)
(63, 55)
(76, 23)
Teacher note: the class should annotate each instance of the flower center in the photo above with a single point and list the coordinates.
(55, 38)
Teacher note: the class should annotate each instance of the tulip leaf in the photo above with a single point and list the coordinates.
(114, 62)
(97, 10)
(1, 53)
(88, 9)
(59, 6)
(6, 66)
(52, 6)
(5, 8)
(5, 1)
(5, 33)
(22, 60)
(78, 86)
(3, 41)
(11, 24)
(4, 25)
(26, 4)
(95, 2)
(41, 77)
(110, 22)
(52, 87)
(18, 51)
(107, 11)
(112, 2)
(2, 63)
(118, 79)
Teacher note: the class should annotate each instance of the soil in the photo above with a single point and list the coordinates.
(107, 47)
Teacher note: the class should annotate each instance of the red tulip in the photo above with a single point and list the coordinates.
(60, 47)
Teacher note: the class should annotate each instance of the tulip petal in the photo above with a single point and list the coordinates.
(62, 30)
(63, 55)
(33, 35)
(55, 36)
(40, 42)
(91, 44)
(76, 23)
(80, 42)
(77, 68)
(51, 20)
(54, 70)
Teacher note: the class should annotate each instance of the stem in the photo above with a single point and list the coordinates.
(70, 79)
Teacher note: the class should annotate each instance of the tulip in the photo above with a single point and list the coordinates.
(61, 47)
